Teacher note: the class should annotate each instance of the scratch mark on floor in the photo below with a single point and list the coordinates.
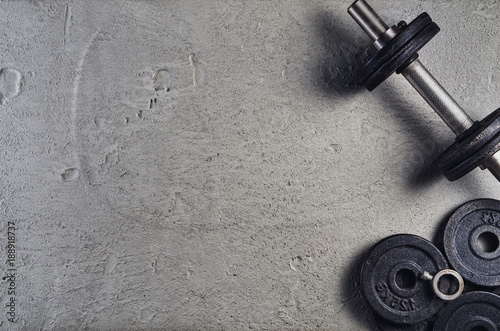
(111, 263)
(67, 17)
(74, 99)
(191, 61)
(199, 71)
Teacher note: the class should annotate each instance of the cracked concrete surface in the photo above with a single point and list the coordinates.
(189, 165)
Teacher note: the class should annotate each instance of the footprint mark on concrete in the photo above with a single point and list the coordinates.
(70, 174)
(159, 263)
(111, 263)
(199, 71)
(296, 263)
(111, 159)
(10, 84)
(162, 80)
(178, 204)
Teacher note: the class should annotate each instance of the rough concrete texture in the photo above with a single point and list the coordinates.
(189, 165)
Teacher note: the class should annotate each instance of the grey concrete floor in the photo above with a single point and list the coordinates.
(211, 165)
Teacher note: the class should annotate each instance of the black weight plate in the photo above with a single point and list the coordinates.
(470, 141)
(383, 325)
(391, 283)
(400, 58)
(397, 51)
(474, 160)
(391, 48)
(471, 148)
(471, 241)
(471, 311)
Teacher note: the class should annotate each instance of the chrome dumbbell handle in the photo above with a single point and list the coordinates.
(437, 97)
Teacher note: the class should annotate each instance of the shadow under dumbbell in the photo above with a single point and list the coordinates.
(437, 237)
(428, 141)
(335, 73)
(425, 139)
(340, 55)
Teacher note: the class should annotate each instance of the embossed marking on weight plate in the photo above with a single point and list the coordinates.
(491, 217)
(394, 301)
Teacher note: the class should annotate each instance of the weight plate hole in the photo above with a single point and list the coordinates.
(406, 279)
(479, 328)
(488, 242)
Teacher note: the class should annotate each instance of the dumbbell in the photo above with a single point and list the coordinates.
(477, 142)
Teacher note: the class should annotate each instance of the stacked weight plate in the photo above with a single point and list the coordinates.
(395, 275)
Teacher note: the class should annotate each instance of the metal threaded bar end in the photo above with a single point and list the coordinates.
(367, 19)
